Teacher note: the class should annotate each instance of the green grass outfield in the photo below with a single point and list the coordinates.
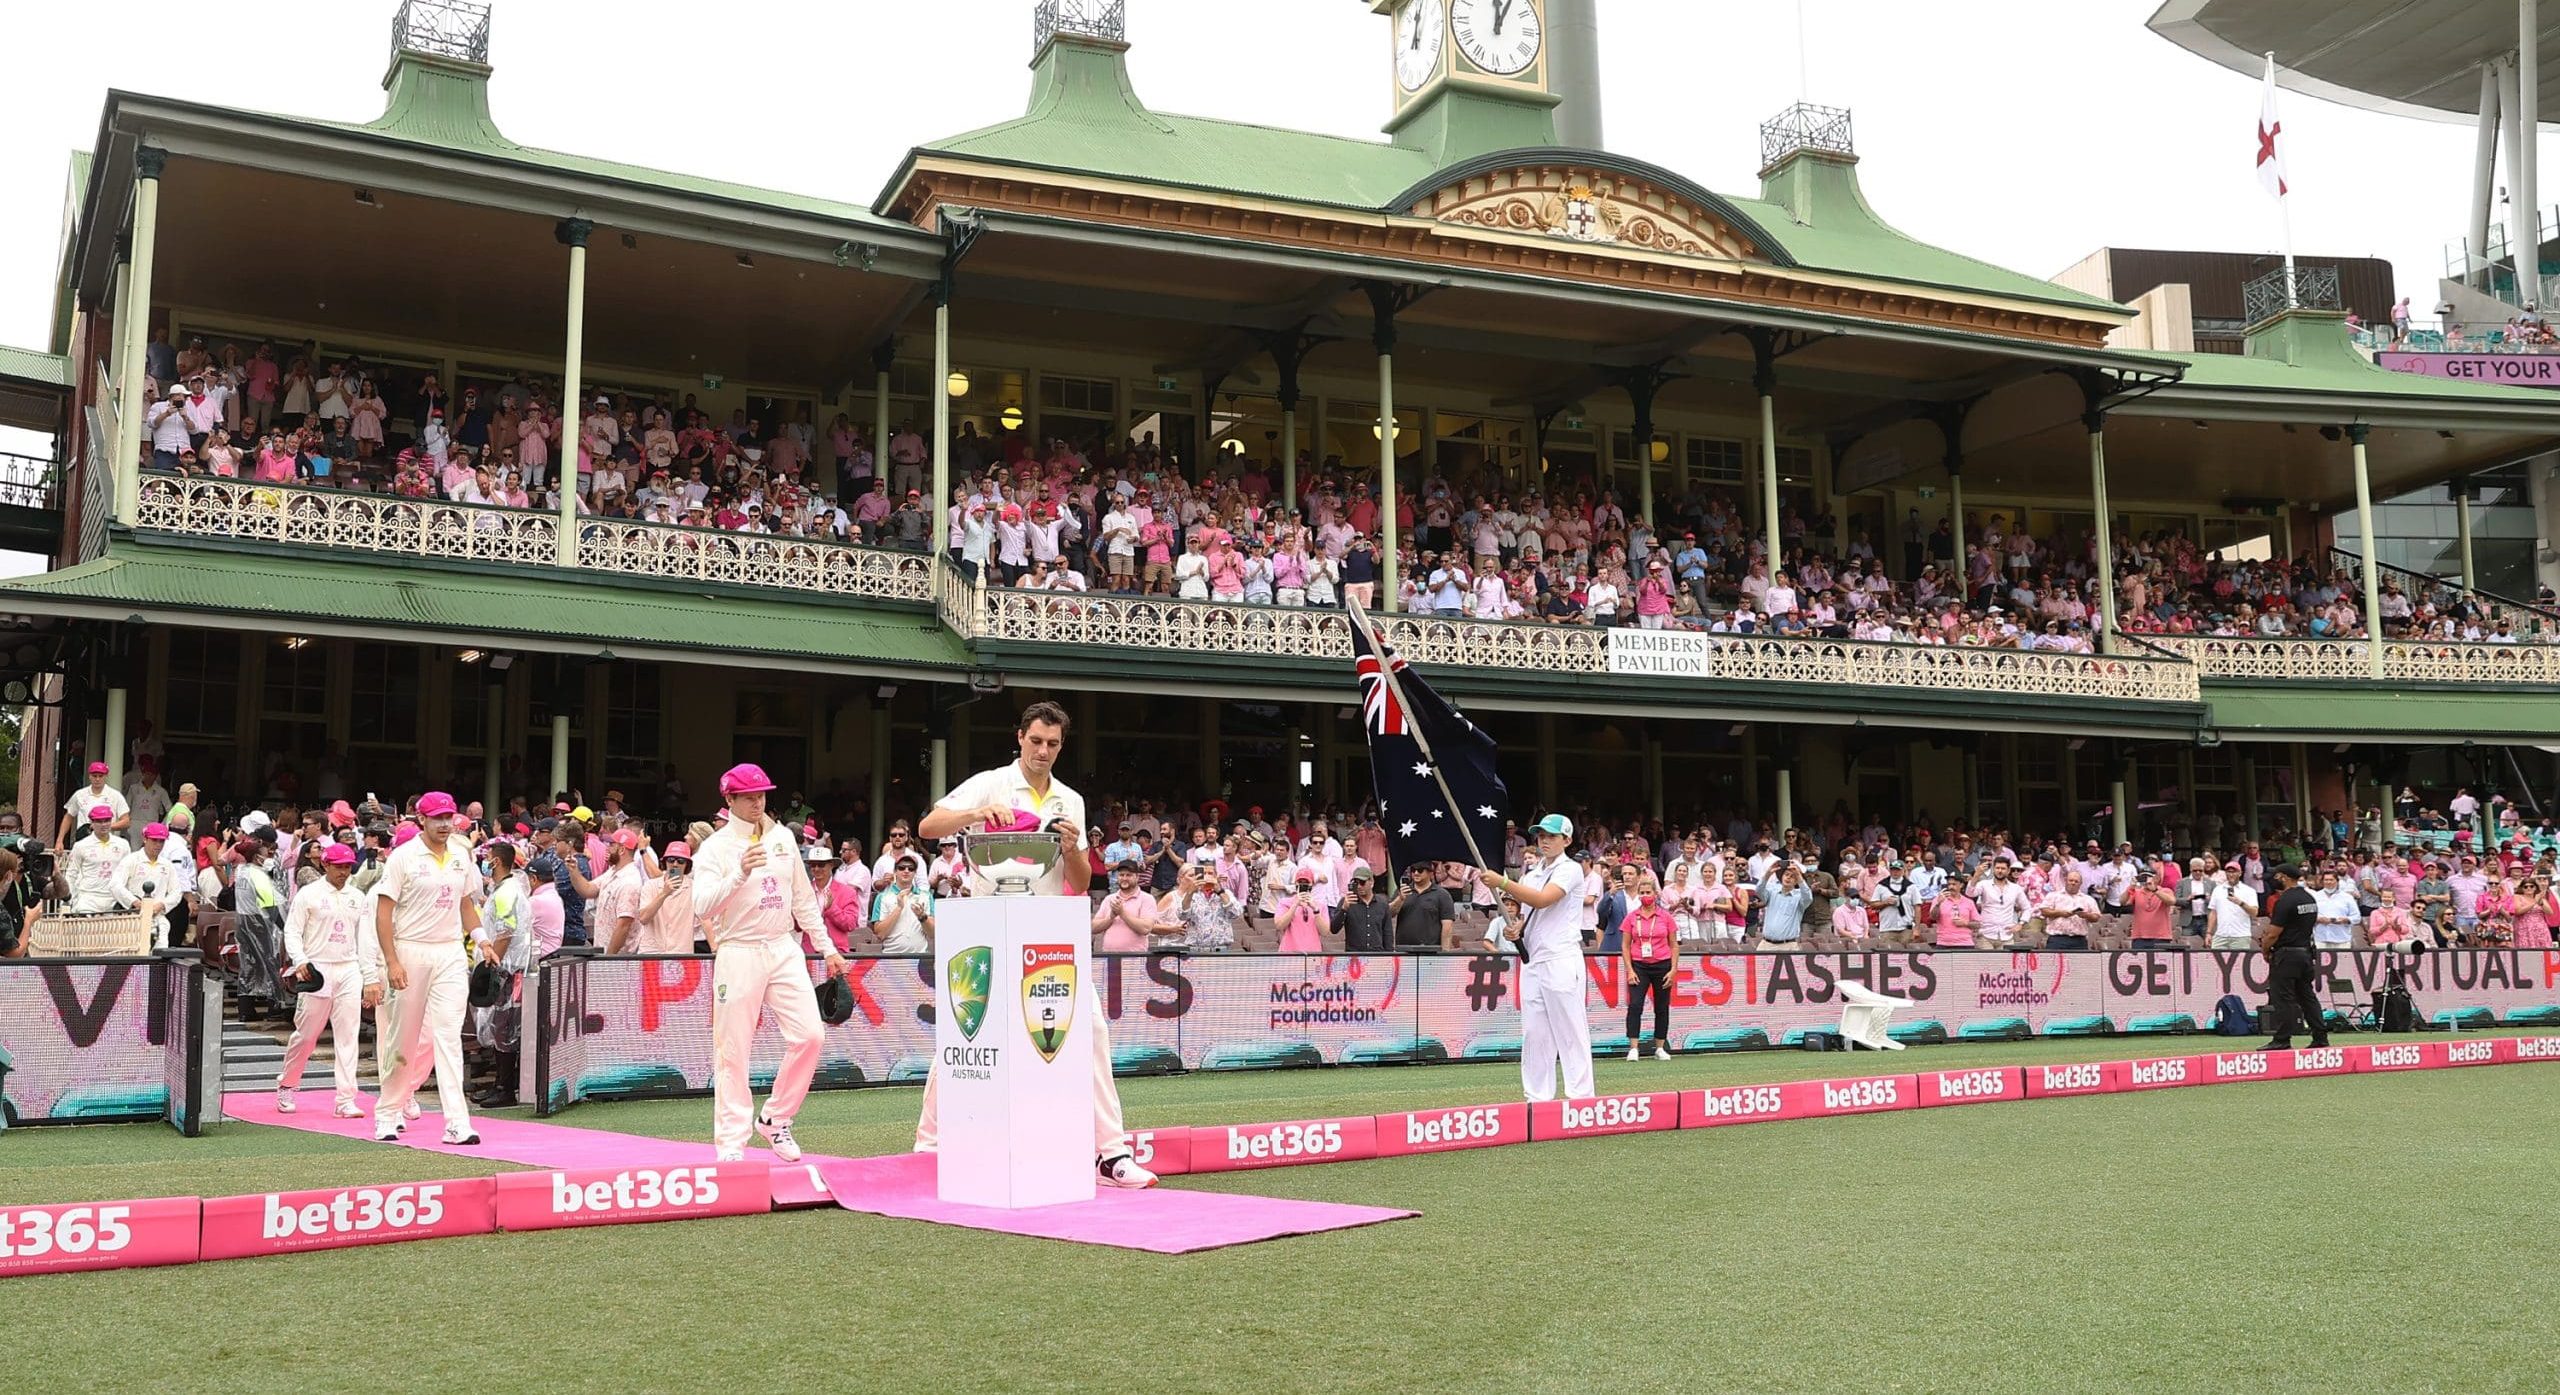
(2381, 1232)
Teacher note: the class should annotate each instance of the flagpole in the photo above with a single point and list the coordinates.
(2284, 205)
(1387, 670)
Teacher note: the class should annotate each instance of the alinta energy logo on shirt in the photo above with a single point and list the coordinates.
(970, 976)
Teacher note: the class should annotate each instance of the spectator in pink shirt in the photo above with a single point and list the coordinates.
(1649, 937)
(1128, 916)
(840, 901)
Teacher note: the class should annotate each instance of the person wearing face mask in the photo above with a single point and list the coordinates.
(1650, 936)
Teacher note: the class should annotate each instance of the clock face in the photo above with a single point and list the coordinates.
(1499, 36)
(1420, 32)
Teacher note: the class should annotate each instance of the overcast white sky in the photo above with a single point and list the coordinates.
(2026, 132)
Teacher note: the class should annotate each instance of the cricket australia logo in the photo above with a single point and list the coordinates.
(1048, 996)
(971, 973)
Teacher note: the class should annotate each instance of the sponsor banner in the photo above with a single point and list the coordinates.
(92, 1042)
(2168, 1072)
(2535, 1049)
(271, 1223)
(99, 1235)
(1864, 1095)
(2403, 1055)
(1164, 1152)
(1735, 1104)
(1444, 1130)
(2306, 1061)
(622, 1028)
(2077, 1078)
(1605, 1115)
(1985, 1085)
(618, 1195)
(2479, 1051)
(1236, 1147)
(2512, 370)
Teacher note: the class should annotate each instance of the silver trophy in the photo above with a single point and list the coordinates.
(1008, 864)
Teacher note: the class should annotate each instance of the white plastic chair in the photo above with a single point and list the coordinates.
(1864, 1015)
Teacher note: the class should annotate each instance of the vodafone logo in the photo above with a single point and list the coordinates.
(356, 1211)
(2169, 1072)
(636, 1189)
(2239, 1067)
(1453, 1126)
(1972, 1084)
(1861, 1094)
(2087, 1076)
(1741, 1102)
(1277, 1141)
(1616, 1111)
(2538, 1048)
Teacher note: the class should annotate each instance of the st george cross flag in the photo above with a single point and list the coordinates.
(2270, 138)
(1410, 728)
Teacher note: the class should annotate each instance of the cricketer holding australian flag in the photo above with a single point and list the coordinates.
(1441, 799)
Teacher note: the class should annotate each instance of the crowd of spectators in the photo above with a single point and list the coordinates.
(1056, 515)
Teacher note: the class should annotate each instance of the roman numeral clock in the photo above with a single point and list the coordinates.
(1496, 46)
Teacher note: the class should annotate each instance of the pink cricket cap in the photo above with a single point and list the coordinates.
(406, 832)
(338, 855)
(435, 804)
(625, 838)
(155, 830)
(97, 767)
(744, 779)
(100, 813)
(1023, 821)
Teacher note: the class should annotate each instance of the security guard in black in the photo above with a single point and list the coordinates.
(2291, 995)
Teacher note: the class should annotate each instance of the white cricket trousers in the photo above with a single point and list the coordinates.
(1110, 1139)
(427, 1029)
(338, 1006)
(1553, 1027)
(749, 977)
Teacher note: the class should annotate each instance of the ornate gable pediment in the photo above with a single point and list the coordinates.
(1601, 202)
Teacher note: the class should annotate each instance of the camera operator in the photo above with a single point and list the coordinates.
(15, 916)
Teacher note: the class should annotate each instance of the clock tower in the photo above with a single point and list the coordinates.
(1469, 77)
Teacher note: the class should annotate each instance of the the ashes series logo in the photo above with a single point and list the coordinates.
(1048, 996)
(972, 974)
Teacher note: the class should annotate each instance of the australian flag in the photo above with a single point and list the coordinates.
(1410, 729)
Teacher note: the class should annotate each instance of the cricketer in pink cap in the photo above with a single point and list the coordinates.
(744, 779)
(100, 813)
(97, 767)
(154, 832)
(435, 804)
(335, 855)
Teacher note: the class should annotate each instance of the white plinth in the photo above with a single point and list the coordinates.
(1016, 1095)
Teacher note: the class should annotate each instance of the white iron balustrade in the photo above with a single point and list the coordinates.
(2344, 660)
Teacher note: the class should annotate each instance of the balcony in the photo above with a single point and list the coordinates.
(259, 514)
(1483, 650)
(2350, 660)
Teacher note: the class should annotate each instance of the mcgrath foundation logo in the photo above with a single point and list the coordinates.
(1048, 996)
(970, 976)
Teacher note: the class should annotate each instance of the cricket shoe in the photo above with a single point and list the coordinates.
(777, 1135)
(386, 1130)
(347, 1109)
(1122, 1170)
(461, 1138)
(410, 1111)
(284, 1101)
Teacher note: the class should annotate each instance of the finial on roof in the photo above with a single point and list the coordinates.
(1805, 126)
(1107, 20)
(446, 28)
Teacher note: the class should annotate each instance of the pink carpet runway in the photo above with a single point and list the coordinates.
(1162, 1221)
(526, 1141)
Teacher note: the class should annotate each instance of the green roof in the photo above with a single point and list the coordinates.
(212, 581)
(34, 366)
(1085, 118)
